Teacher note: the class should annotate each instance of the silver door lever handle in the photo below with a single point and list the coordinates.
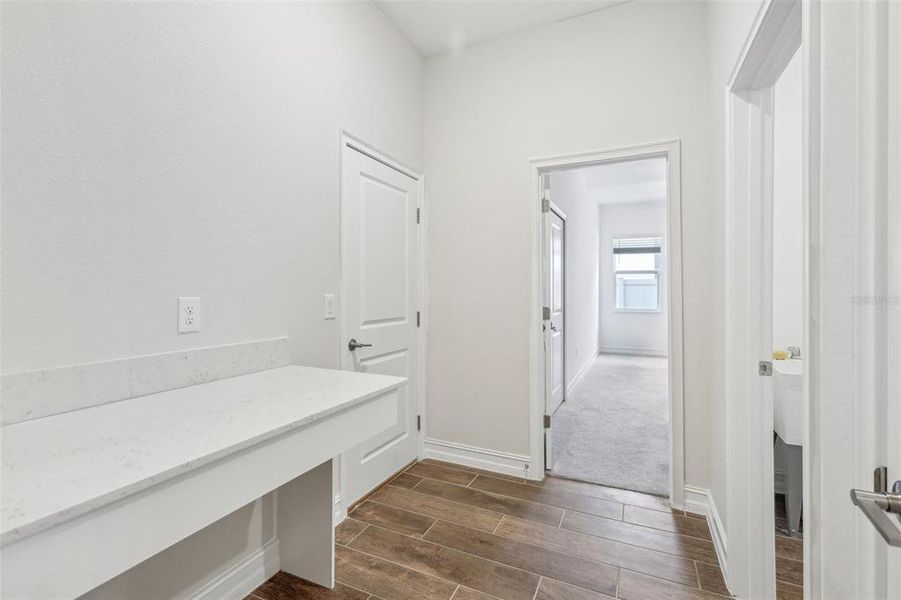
(354, 344)
(879, 504)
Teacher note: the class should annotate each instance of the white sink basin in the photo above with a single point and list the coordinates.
(787, 400)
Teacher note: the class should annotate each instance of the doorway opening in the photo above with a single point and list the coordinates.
(608, 391)
(787, 273)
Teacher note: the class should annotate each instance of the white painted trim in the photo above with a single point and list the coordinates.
(237, 582)
(583, 370)
(893, 266)
(671, 149)
(810, 465)
(774, 38)
(424, 314)
(632, 351)
(506, 463)
(339, 511)
(699, 501)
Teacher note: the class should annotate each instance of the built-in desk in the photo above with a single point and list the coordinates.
(86, 495)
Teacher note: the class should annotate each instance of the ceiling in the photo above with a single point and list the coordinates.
(630, 182)
(438, 26)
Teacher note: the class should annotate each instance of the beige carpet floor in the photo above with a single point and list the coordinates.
(613, 430)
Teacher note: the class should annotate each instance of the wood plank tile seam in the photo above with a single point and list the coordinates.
(400, 565)
(419, 539)
(537, 547)
(436, 531)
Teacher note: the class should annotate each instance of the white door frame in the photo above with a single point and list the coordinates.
(349, 140)
(749, 95)
(670, 149)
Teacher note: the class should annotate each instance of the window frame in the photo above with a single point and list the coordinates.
(656, 272)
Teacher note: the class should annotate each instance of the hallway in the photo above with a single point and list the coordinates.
(454, 299)
(440, 531)
(613, 429)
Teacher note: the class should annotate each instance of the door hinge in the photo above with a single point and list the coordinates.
(546, 313)
(765, 368)
(545, 205)
(418, 422)
(417, 318)
(417, 215)
(547, 421)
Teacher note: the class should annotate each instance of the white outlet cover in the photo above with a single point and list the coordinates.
(188, 314)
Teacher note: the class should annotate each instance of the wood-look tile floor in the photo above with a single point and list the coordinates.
(789, 557)
(440, 532)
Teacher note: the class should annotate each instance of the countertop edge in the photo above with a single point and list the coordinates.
(10, 536)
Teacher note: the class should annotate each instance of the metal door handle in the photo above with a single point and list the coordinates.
(354, 344)
(879, 504)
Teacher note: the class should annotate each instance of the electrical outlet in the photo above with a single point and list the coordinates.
(188, 314)
(329, 310)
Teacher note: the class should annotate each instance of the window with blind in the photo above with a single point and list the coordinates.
(636, 269)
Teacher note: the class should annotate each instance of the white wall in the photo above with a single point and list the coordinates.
(155, 150)
(729, 24)
(633, 73)
(570, 193)
(788, 209)
(624, 332)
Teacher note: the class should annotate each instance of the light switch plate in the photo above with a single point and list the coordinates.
(188, 314)
(329, 309)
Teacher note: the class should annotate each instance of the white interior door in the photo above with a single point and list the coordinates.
(380, 262)
(855, 295)
(555, 288)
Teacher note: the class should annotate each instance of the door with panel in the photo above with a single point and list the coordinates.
(554, 320)
(854, 290)
(380, 305)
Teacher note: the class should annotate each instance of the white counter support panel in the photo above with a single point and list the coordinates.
(94, 532)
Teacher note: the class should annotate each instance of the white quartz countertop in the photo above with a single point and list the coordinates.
(59, 467)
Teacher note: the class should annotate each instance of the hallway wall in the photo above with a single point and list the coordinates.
(729, 24)
(163, 149)
(633, 73)
(570, 192)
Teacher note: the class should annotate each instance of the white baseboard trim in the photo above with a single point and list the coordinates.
(506, 463)
(578, 378)
(700, 501)
(243, 578)
(339, 511)
(632, 351)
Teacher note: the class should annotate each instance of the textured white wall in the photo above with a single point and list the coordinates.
(152, 150)
(570, 192)
(641, 333)
(788, 209)
(163, 149)
(633, 73)
(729, 24)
